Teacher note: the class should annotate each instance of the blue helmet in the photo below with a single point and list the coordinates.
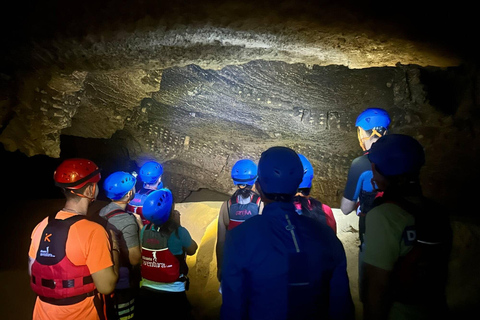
(157, 206)
(151, 171)
(118, 184)
(280, 171)
(373, 118)
(244, 172)
(397, 154)
(307, 172)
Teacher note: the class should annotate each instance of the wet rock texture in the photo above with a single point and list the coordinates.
(200, 85)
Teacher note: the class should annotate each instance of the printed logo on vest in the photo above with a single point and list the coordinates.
(46, 253)
(243, 213)
(47, 237)
(152, 262)
(409, 235)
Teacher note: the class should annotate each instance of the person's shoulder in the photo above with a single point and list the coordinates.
(361, 161)
(87, 225)
(386, 212)
(182, 231)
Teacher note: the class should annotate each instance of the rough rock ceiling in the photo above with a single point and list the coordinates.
(199, 85)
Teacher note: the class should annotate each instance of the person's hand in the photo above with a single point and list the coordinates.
(138, 218)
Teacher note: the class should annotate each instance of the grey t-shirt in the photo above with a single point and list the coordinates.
(125, 223)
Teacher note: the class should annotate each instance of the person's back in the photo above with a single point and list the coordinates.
(281, 265)
(308, 206)
(312, 208)
(69, 256)
(408, 239)
(279, 282)
(165, 244)
(151, 176)
(244, 204)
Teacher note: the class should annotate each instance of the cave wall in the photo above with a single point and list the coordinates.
(199, 122)
(201, 85)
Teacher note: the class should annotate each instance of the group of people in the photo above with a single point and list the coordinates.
(117, 263)
(278, 255)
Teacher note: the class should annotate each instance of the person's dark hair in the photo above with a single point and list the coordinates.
(304, 191)
(69, 195)
(170, 225)
(244, 192)
(407, 184)
(380, 130)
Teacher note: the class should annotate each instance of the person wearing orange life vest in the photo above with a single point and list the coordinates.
(70, 261)
(165, 244)
(408, 238)
(151, 175)
(120, 188)
(242, 205)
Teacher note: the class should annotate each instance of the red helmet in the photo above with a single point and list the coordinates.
(75, 173)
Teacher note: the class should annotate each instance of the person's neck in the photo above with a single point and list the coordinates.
(370, 142)
(121, 204)
(78, 207)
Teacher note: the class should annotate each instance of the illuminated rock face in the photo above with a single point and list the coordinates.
(199, 122)
(199, 86)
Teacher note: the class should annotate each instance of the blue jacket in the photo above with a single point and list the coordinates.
(265, 277)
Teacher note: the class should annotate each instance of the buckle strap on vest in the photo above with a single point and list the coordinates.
(69, 300)
(50, 283)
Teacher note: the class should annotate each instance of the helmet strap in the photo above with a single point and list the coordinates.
(84, 196)
(361, 140)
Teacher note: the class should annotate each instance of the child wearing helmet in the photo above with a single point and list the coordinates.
(242, 205)
(308, 206)
(280, 265)
(120, 189)
(151, 175)
(407, 240)
(164, 269)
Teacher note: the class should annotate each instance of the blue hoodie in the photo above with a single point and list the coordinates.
(266, 274)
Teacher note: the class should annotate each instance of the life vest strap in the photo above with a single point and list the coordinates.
(69, 300)
(114, 213)
(50, 283)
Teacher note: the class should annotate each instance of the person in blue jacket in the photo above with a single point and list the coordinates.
(282, 265)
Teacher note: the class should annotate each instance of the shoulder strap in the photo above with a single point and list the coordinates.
(114, 213)
(256, 199)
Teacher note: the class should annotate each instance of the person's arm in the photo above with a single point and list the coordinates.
(221, 233)
(138, 220)
(134, 255)
(132, 239)
(106, 279)
(380, 254)
(359, 166)
(191, 249)
(377, 295)
(30, 262)
(347, 206)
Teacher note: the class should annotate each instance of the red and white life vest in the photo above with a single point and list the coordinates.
(54, 277)
(136, 204)
(241, 209)
(158, 262)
